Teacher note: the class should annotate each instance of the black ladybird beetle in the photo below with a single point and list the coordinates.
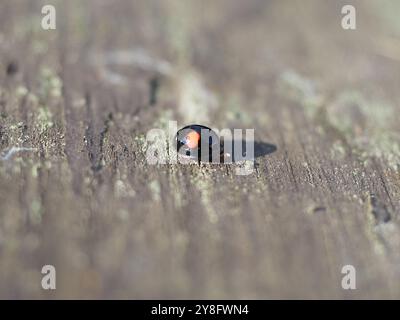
(190, 143)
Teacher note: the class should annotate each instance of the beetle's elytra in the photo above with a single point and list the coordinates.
(195, 140)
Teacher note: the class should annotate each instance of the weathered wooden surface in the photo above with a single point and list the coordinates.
(86, 201)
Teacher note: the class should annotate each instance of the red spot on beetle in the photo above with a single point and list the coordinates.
(192, 139)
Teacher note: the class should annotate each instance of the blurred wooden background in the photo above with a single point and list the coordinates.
(83, 198)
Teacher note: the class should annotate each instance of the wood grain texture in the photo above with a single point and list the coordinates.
(83, 198)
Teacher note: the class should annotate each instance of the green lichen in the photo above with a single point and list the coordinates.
(300, 90)
(155, 190)
(44, 119)
(367, 124)
(50, 84)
